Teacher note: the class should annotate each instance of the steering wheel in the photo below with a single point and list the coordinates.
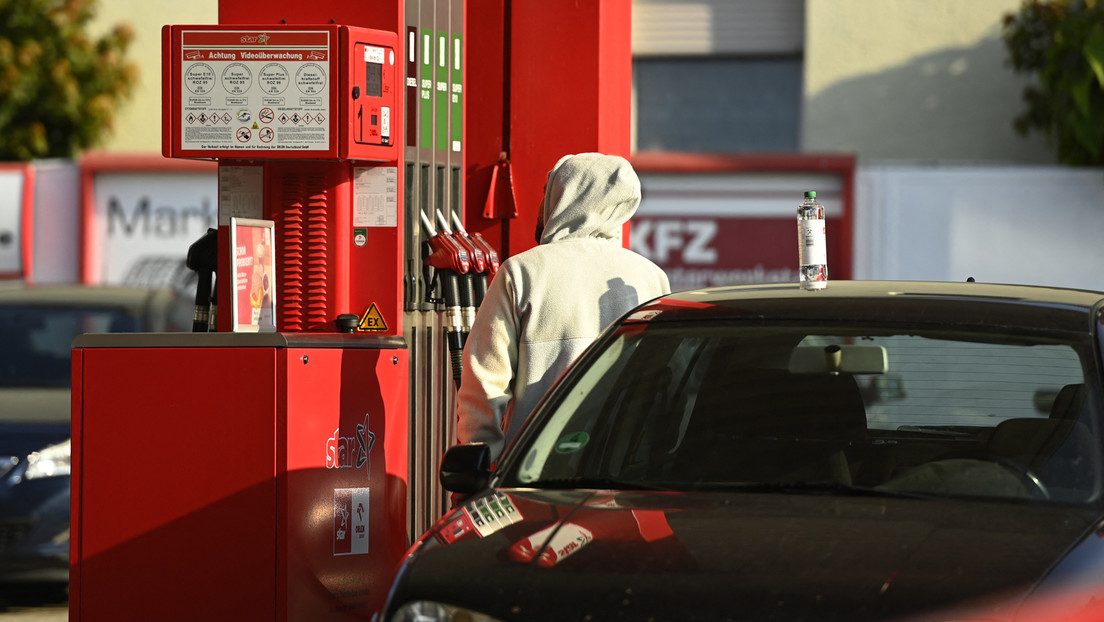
(970, 476)
(1035, 487)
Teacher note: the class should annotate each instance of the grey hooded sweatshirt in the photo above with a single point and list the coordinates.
(547, 304)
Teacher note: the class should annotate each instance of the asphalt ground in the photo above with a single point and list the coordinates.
(33, 604)
(36, 613)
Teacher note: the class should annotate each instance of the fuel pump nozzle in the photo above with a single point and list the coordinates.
(482, 251)
(203, 259)
(473, 285)
(450, 260)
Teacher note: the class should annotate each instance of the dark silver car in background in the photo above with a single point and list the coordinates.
(37, 328)
(873, 451)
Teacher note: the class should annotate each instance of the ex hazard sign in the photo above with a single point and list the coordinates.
(372, 321)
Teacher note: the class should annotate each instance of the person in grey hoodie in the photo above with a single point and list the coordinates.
(547, 304)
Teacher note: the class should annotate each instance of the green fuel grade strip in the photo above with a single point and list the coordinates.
(442, 91)
(425, 87)
(457, 104)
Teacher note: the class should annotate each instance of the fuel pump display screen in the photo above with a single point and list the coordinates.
(373, 79)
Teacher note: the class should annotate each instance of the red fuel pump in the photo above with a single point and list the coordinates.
(256, 474)
(283, 493)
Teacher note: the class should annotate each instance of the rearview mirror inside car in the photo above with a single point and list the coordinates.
(835, 359)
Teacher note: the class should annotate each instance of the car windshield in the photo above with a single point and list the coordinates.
(927, 413)
(37, 340)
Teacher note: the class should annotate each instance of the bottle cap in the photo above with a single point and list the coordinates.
(810, 194)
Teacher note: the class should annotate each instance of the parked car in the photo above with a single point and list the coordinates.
(871, 451)
(37, 327)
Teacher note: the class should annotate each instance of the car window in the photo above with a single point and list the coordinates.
(948, 382)
(38, 340)
(934, 412)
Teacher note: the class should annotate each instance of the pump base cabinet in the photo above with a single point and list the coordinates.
(264, 476)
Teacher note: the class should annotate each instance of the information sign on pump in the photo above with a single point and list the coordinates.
(255, 90)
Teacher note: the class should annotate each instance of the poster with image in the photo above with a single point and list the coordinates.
(254, 268)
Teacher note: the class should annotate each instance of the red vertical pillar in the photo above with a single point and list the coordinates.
(568, 84)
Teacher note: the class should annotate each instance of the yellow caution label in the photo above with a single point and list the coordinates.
(372, 321)
(255, 126)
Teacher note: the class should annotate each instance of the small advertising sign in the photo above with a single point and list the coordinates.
(252, 263)
(351, 521)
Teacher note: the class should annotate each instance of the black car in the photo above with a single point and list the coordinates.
(37, 328)
(870, 451)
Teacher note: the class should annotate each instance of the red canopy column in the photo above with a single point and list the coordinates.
(545, 79)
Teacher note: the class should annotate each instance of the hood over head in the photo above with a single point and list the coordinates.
(589, 195)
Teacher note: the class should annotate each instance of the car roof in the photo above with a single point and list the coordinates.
(81, 295)
(906, 302)
(160, 309)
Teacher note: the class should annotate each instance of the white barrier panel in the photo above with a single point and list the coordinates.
(1008, 224)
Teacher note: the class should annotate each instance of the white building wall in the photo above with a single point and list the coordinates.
(884, 79)
(137, 127)
(913, 80)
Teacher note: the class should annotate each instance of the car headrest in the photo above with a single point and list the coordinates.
(1034, 441)
(1068, 402)
(776, 402)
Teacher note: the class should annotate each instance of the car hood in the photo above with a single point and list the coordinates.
(685, 556)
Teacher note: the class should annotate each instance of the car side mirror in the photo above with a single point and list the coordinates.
(466, 469)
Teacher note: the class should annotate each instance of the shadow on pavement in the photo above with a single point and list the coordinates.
(22, 596)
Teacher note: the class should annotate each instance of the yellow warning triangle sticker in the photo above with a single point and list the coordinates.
(372, 321)
(255, 126)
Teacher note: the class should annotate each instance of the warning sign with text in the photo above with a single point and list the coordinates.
(255, 90)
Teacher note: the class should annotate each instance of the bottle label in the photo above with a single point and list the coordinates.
(811, 246)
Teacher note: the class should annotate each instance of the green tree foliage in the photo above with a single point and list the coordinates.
(59, 87)
(1062, 43)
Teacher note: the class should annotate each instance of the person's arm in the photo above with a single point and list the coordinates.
(490, 365)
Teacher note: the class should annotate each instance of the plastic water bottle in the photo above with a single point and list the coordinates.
(811, 244)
